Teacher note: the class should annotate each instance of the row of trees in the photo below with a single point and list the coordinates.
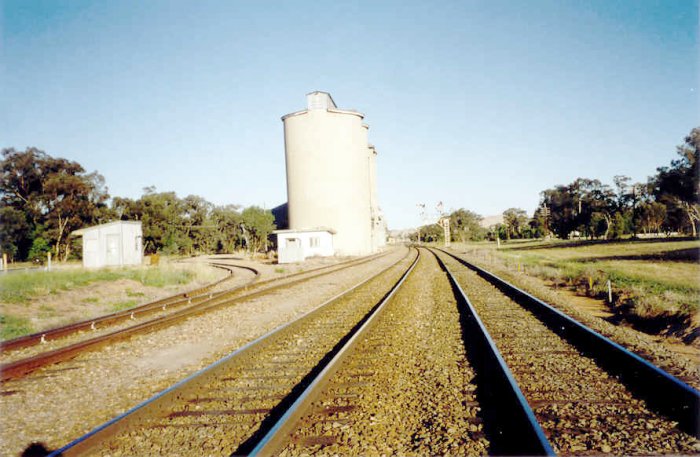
(667, 202)
(43, 199)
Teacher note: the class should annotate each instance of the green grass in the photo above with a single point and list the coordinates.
(12, 326)
(20, 287)
(652, 278)
(47, 311)
(124, 305)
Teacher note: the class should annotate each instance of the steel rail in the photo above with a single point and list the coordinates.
(109, 319)
(661, 391)
(159, 401)
(270, 443)
(23, 367)
(513, 425)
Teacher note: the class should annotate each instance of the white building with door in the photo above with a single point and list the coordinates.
(113, 244)
(297, 245)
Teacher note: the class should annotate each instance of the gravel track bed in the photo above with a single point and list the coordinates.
(640, 343)
(240, 278)
(581, 408)
(57, 404)
(217, 417)
(406, 388)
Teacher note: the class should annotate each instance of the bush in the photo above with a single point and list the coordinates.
(40, 247)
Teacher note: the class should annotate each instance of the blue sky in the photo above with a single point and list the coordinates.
(479, 104)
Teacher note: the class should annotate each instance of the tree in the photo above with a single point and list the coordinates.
(196, 223)
(678, 186)
(68, 200)
(228, 221)
(586, 206)
(256, 224)
(431, 233)
(54, 195)
(539, 224)
(162, 223)
(651, 216)
(515, 220)
(14, 236)
(465, 225)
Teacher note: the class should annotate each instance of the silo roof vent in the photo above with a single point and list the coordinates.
(320, 100)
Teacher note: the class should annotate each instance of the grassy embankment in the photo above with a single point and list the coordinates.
(655, 283)
(20, 288)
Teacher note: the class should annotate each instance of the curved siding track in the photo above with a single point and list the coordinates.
(48, 340)
(85, 336)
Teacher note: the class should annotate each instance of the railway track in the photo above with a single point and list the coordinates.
(219, 408)
(442, 362)
(29, 355)
(590, 395)
(407, 385)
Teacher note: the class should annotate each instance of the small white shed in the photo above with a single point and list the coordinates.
(116, 243)
(297, 245)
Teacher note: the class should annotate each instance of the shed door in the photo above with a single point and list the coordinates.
(90, 253)
(113, 249)
(294, 250)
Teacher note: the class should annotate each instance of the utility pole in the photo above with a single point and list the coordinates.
(545, 215)
(444, 222)
(421, 212)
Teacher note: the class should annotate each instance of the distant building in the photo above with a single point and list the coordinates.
(331, 179)
(297, 245)
(116, 243)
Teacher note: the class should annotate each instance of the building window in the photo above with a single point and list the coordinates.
(314, 242)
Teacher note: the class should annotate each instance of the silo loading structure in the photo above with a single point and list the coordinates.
(328, 174)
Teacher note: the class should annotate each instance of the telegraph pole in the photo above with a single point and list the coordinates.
(444, 222)
(421, 212)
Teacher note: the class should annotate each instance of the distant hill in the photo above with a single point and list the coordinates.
(490, 221)
(401, 234)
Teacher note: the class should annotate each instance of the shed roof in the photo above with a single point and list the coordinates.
(318, 229)
(86, 229)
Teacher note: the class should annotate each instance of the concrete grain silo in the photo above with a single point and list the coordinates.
(328, 174)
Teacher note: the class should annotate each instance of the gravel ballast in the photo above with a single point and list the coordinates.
(581, 408)
(406, 389)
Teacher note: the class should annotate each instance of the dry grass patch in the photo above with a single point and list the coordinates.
(655, 284)
(36, 301)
